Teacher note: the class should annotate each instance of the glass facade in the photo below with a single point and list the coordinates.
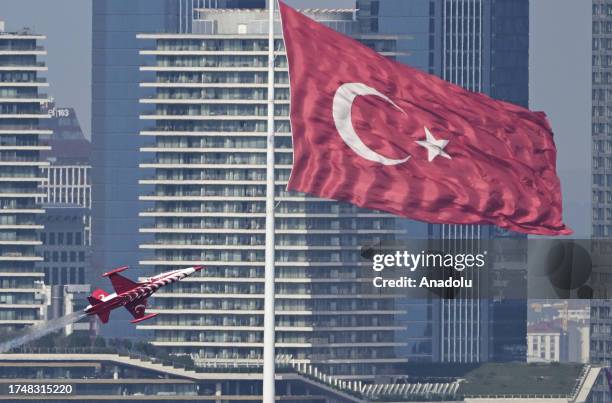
(601, 121)
(601, 168)
(22, 292)
(485, 48)
(205, 156)
(416, 24)
(115, 125)
(67, 235)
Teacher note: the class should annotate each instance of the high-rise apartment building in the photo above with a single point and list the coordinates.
(22, 292)
(484, 48)
(600, 349)
(602, 119)
(206, 160)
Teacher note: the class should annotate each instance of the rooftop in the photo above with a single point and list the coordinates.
(522, 378)
(546, 381)
(553, 327)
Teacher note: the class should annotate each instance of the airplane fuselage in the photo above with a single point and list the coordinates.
(135, 297)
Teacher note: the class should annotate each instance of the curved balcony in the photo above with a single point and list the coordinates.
(39, 82)
(23, 162)
(19, 258)
(199, 84)
(199, 150)
(204, 101)
(212, 68)
(211, 117)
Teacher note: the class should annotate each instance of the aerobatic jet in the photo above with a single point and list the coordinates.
(131, 294)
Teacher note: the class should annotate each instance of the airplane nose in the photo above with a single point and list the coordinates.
(198, 268)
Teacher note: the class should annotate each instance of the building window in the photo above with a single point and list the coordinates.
(64, 273)
(374, 7)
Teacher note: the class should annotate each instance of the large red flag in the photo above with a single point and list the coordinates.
(385, 136)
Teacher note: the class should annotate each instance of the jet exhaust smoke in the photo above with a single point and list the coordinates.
(36, 332)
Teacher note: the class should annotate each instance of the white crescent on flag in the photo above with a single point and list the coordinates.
(343, 101)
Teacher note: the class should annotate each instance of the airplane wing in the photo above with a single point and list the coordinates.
(120, 284)
(137, 309)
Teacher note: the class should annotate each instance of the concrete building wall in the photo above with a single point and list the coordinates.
(206, 137)
(22, 294)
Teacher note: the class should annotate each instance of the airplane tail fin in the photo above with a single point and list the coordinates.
(93, 301)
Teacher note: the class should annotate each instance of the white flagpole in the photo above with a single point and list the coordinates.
(269, 331)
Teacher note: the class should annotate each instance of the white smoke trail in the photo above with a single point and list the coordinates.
(36, 332)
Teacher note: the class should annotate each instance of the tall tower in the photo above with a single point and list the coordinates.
(66, 237)
(115, 124)
(601, 168)
(23, 294)
(115, 110)
(485, 48)
(601, 120)
(206, 155)
(482, 45)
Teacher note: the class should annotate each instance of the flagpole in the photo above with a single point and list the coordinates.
(269, 331)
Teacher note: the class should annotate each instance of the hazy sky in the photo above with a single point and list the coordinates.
(560, 62)
(67, 24)
(560, 85)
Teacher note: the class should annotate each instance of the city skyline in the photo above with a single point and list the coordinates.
(548, 65)
(161, 164)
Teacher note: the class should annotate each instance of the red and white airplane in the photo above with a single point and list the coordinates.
(130, 294)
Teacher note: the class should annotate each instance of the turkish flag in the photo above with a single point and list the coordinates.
(381, 135)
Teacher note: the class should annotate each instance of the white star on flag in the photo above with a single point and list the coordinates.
(434, 147)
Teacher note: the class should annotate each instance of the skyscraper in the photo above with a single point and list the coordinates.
(66, 238)
(602, 120)
(23, 295)
(115, 110)
(482, 45)
(206, 132)
(485, 48)
(601, 128)
(114, 128)
(115, 123)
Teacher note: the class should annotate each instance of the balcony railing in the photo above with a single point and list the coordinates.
(18, 47)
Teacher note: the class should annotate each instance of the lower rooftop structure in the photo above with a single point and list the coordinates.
(102, 374)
